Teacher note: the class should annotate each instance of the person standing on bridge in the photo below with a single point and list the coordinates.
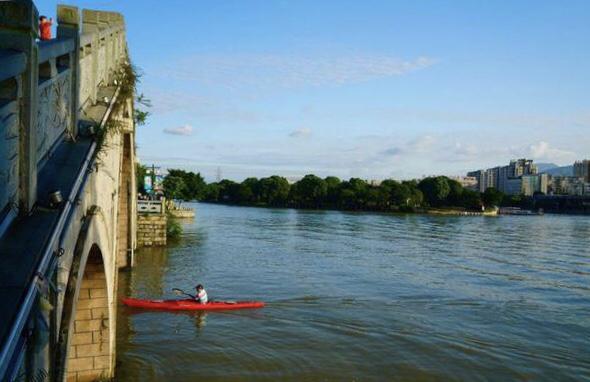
(45, 28)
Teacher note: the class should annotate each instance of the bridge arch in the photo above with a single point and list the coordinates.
(87, 335)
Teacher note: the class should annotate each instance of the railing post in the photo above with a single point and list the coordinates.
(18, 30)
(90, 26)
(68, 19)
(114, 19)
(103, 26)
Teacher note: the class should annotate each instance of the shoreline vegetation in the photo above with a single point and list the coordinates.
(435, 195)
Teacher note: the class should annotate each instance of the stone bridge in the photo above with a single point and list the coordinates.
(67, 191)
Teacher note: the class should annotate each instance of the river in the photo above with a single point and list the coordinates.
(364, 297)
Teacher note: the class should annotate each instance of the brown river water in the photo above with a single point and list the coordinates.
(364, 297)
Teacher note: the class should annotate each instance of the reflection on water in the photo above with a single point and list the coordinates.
(368, 297)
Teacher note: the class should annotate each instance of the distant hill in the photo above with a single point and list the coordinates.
(555, 170)
(546, 166)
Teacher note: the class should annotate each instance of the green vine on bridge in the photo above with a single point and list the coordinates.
(127, 79)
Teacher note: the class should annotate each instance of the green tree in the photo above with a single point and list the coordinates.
(416, 198)
(435, 190)
(140, 173)
(361, 191)
(309, 192)
(275, 190)
(174, 188)
(333, 185)
(471, 200)
(455, 197)
(212, 192)
(377, 198)
(347, 199)
(248, 191)
(492, 197)
(195, 185)
(228, 191)
(399, 194)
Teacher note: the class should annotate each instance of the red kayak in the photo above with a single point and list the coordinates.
(189, 304)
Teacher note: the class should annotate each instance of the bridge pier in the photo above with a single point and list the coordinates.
(90, 353)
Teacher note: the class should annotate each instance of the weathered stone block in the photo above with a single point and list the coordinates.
(83, 314)
(67, 14)
(100, 313)
(79, 364)
(81, 339)
(100, 336)
(87, 325)
(94, 283)
(98, 292)
(84, 294)
(22, 15)
(90, 16)
(97, 276)
(90, 376)
(92, 350)
(92, 303)
(102, 362)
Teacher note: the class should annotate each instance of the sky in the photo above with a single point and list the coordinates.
(372, 89)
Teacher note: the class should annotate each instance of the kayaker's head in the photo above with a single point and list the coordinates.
(199, 287)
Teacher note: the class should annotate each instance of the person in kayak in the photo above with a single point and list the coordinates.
(201, 295)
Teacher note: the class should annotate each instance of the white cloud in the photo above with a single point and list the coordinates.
(465, 150)
(186, 130)
(542, 150)
(167, 101)
(272, 71)
(303, 132)
(422, 143)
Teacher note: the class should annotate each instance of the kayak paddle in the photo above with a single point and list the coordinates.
(180, 291)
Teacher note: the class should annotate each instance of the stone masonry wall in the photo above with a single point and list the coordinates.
(89, 357)
(151, 230)
(125, 187)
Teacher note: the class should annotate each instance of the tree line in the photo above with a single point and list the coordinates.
(333, 193)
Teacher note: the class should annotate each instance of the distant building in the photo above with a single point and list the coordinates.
(521, 176)
(492, 177)
(512, 186)
(470, 182)
(531, 184)
(522, 167)
(582, 170)
(480, 178)
(569, 185)
(508, 179)
(544, 183)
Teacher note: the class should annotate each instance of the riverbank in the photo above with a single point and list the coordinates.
(450, 211)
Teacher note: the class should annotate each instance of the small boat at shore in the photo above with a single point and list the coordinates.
(190, 304)
(519, 211)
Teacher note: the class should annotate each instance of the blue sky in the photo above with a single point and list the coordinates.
(373, 89)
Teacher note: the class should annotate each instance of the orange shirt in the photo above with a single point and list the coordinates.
(45, 30)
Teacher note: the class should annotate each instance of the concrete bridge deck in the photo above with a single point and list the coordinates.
(31, 234)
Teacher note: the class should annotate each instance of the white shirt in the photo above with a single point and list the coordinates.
(202, 296)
